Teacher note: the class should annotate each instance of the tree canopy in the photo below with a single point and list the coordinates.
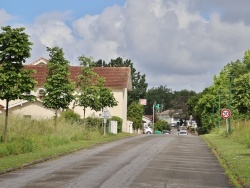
(207, 105)
(14, 80)
(91, 88)
(58, 88)
(139, 85)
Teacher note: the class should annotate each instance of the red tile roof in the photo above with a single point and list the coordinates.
(116, 77)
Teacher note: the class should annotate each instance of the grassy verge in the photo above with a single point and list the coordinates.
(233, 156)
(13, 162)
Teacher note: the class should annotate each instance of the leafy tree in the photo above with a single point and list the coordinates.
(135, 113)
(160, 95)
(246, 59)
(161, 125)
(139, 85)
(58, 88)
(87, 95)
(106, 97)
(14, 80)
(91, 88)
(216, 97)
(241, 100)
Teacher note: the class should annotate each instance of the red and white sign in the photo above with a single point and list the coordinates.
(143, 102)
(225, 113)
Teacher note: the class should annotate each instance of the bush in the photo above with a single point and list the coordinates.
(93, 123)
(162, 125)
(71, 116)
(119, 123)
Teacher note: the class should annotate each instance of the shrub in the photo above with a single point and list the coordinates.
(93, 123)
(119, 123)
(162, 125)
(71, 116)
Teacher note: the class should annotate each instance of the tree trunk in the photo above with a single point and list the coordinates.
(84, 110)
(5, 136)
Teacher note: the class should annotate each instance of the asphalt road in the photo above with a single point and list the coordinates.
(164, 161)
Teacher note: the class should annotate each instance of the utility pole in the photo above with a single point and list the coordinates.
(230, 101)
(219, 109)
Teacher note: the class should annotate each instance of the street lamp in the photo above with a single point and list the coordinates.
(219, 108)
(230, 101)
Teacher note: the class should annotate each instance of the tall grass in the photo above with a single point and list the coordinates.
(28, 135)
(240, 131)
(232, 150)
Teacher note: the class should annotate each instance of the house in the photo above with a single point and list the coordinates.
(170, 116)
(118, 79)
(147, 120)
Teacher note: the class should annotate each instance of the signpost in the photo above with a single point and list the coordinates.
(225, 114)
(105, 115)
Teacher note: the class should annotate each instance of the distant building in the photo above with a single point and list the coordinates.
(170, 116)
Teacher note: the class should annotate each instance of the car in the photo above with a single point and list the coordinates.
(183, 132)
(173, 124)
(147, 130)
(166, 132)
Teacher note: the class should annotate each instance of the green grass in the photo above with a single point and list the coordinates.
(32, 141)
(19, 161)
(233, 152)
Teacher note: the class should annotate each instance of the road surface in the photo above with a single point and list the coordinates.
(164, 161)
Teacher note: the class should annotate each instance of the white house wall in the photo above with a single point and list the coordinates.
(34, 110)
(120, 110)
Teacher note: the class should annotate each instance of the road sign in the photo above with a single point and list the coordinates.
(225, 113)
(105, 114)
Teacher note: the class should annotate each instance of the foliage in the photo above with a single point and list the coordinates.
(58, 88)
(241, 100)
(139, 85)
(93, 123)
(91, 88)
(37, 136)
(135, 113)
(71, 116)
(232, 151)
(207, 105)
(14, 80)
(161, 125)
(160, 95)
(119, 123)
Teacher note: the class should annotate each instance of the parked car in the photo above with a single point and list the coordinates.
(147, 130)
(166, 132)
(173, 124)
(183, 132)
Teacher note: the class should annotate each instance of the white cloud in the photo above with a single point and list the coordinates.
(177, 43)
(5, 17)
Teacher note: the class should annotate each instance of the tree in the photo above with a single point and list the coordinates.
(161, 125)
(160, 95)
(241, 99)
(58, 89)
(106, 96)
(139, 85)
(135, 113)
(14, 80)
(91, 88)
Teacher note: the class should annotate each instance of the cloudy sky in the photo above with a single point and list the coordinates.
(180, 44)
